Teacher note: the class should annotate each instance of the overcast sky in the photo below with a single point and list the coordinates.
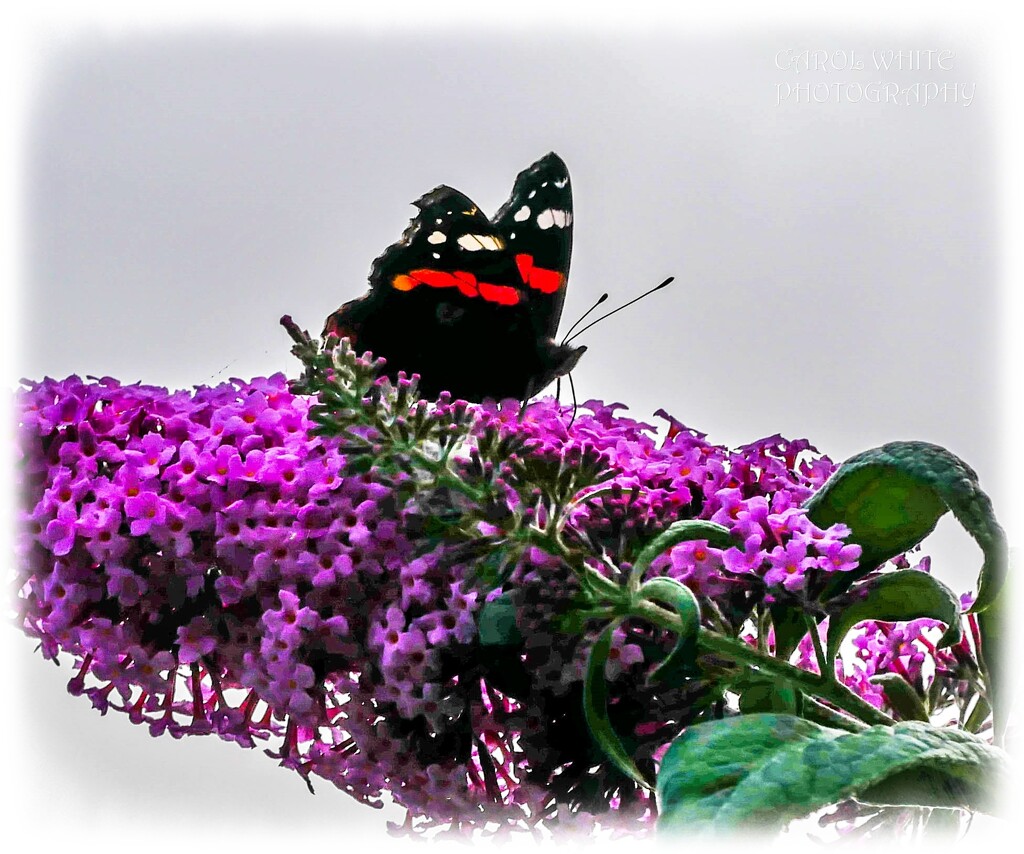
(835, 250)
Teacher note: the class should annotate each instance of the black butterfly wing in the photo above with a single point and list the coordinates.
(448, 249)
(450, 244)
(537, 224)
(454, 301)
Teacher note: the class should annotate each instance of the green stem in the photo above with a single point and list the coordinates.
(979, 714)
(819, 653)
(707, 641)
(822, 714)
(810, 683)
(563, 516)
(444, 475)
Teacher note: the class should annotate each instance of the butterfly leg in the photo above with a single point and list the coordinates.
(575, 406)
(526, 399)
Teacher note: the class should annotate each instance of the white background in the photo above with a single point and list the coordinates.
(843, 270)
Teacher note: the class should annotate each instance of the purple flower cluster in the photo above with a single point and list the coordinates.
(755, 491)
(212, 565)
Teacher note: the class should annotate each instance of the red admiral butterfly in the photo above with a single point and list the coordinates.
(470, 304)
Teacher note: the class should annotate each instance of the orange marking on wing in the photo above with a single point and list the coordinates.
(501, 294)
(403, 283)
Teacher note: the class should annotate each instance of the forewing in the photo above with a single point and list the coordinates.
(450, 244)
(537, 224)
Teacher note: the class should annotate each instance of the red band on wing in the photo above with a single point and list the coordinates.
(465, 282)
(501, 294)
(545, 281)
(436, 278)
(525, 264)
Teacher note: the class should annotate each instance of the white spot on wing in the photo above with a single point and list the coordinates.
(437, 237)
(435, 254)
(561, 183)
(553, 217)
(521, 214)
(532, 194)
(475, 242)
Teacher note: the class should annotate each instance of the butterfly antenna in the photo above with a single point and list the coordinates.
(600, 300)
(664, 284)
(575, 407)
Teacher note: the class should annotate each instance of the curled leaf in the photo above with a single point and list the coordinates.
(595, 708)
(679, 532)
(892, 496)
(682, 660)
(894, 597)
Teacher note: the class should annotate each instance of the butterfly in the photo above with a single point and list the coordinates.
(472, 304)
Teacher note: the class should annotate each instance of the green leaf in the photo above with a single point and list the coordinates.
(775, 697)
(682, 661)
(493, 568)
(790, 627)
(995, 627)
(716, 535)
(892, 597)
(496, 622)
(595, 708)
(360, 465)
(995, 624)
(901, 696)
(892, 497)
(761, 771)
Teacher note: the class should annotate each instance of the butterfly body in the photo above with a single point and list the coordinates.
(472, 305)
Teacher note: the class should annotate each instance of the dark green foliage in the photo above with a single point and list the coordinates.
(760, 771)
